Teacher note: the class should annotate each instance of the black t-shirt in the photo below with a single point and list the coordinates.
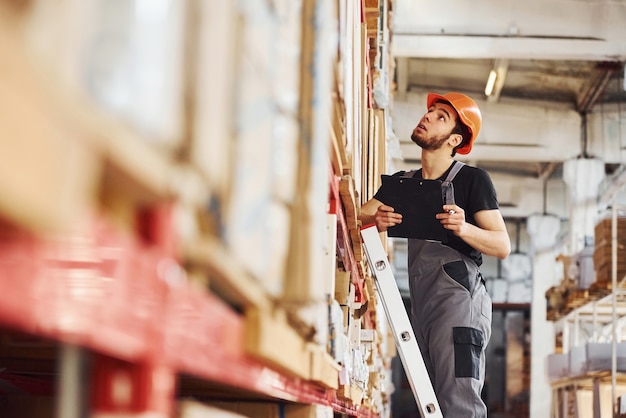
(473, 191)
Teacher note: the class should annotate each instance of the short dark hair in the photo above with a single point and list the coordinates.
(461, 129)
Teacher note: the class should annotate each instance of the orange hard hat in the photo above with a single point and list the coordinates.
(468, 111)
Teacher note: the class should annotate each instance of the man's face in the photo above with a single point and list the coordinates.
(435, 127)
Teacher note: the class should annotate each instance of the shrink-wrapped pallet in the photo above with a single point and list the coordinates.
(258, 206)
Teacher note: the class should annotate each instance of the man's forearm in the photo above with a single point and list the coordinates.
(367, 212)
(367, 219)
(493, 243)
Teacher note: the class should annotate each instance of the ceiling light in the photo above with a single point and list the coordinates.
(497, 76)
(491, 82)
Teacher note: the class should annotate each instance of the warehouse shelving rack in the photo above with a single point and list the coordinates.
(600, 314)
(57, 290)
(111, 325)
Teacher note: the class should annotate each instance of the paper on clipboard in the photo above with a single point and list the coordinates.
(419, 201)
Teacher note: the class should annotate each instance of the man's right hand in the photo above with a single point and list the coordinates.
(386, 217)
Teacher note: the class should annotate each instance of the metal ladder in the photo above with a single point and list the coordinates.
(408, 349)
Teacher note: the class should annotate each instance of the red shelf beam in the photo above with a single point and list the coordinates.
(124, 298)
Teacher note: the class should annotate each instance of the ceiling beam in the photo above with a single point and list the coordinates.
(615, 186)
(531, 29)
(488, 47)
(595, 85)
(546, 170)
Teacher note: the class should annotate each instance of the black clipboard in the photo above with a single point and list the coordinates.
(418, 201)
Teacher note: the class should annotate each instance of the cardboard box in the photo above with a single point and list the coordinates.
(276, 410)
(342, 286)
(324, 369)
(192, 409)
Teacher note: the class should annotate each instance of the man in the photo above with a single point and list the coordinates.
(450, 307)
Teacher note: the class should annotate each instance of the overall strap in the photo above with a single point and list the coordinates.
(447, 188)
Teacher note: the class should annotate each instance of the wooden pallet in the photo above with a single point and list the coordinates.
(600, 289)
(576, 298)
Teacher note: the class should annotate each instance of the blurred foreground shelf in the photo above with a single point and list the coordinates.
(142, 266)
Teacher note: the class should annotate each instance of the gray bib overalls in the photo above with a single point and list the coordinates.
(451, 318)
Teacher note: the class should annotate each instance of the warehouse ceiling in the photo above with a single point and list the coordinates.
(561, 54)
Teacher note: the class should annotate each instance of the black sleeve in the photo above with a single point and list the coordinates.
(482, 192)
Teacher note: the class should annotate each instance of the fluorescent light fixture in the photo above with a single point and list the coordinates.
(491, 82)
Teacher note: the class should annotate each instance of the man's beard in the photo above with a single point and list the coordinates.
(430, 144)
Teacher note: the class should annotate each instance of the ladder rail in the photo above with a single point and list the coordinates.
(407, 345)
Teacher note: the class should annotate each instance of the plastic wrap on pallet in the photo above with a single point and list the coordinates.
(287, 44)
(211, 148)
(259, 240)
(315, 319)
(586, 268)
(577, 360)
(335, 329)
(258, 221)
(517, 266)
(498, 288)
(360, 371)
(599, 356)
(557, 366)
(133, 64)
(306, 260)
(519, 291)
